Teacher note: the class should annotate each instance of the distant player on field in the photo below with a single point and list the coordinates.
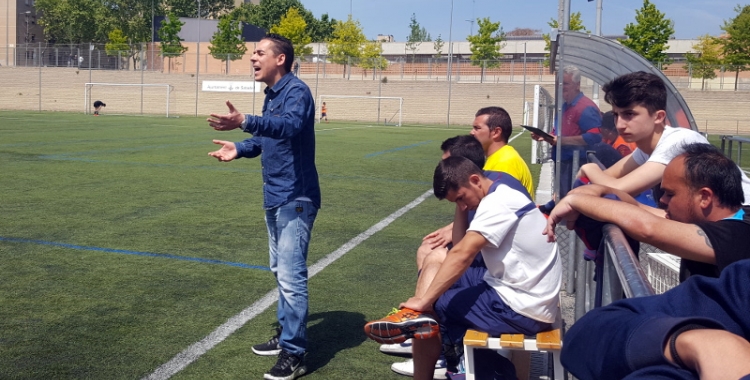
(97, 106)
(324, 112)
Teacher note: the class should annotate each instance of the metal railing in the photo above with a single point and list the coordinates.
(618, 275)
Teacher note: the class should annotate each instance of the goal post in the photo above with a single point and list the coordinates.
(128, 98)
(379, 109)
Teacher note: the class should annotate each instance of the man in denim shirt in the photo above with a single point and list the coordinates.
(285, 137)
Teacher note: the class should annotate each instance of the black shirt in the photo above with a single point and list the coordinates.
(731, 241)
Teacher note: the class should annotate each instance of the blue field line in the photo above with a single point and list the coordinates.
(126, 252)
(398, 149)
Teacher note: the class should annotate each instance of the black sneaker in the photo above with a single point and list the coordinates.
(288, 367)
(270, 348)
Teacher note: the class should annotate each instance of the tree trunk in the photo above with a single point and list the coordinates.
(736, 78)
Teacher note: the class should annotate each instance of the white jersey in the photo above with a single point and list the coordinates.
(522, 266)
(670, 146)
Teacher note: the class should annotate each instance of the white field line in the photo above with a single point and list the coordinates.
(192, 353)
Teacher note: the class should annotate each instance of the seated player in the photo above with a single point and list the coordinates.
(698, 330)
(436, 244)
(98, 106)
(705, 222)
(516, 293)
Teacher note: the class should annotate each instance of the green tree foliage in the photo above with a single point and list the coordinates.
(171, 43)
(227, 43)
(321, 30)
(294, 27)
(189, 8)
(269, 13)
(486, 44)
(417, 35)
(118, 44)
(346, 42)
(133, 18)
(372, 57)
(438, 45)
(705, 59)
(73, 21)
(576, 25)
(736, 45)
(649, 35)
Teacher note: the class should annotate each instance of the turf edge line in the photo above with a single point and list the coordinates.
(196, 350)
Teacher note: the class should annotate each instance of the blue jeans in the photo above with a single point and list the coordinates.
(289, 230)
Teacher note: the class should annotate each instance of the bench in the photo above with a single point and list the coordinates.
(548, 341)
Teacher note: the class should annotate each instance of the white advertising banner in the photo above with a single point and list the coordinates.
(230, 86)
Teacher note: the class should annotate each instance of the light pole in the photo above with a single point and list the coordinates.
(26, 14)
(151, 61)
(450, 62)
(198, 59)
(524, 77)
(471, 28)
(350, 8)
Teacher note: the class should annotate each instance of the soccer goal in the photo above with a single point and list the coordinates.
(543, 118)
(128, 98)
(387, 110)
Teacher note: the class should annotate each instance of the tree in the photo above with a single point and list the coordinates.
(736, 45)
(416, 37)
(486, 44)
(227, 43)
(705, 60)
(525, 32)
(576, 25)
(321, 30)
(438, 45)
(294, 27)
(372, 57)
(71, 21)
(171, 43)
(209, 8)
(346, 42)
(133, 18)
(269, 13)
(117, 45)
(649, 35)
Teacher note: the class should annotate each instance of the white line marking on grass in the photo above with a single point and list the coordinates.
(514, 137)
(192, 353)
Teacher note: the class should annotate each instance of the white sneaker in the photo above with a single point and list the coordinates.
(402, 349)
(407, 368)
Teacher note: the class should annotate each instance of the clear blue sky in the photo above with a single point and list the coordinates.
(692, 18)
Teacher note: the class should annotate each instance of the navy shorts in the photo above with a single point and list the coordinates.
(471, 303)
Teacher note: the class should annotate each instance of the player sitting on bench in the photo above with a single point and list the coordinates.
(517, 294)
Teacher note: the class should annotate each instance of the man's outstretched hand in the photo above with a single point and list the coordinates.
(227, 122)
(228, 151)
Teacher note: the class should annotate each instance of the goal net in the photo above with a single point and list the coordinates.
(127, 98)
(386, 110)
(542, 114)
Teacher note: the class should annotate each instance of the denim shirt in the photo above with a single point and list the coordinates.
(284, 137)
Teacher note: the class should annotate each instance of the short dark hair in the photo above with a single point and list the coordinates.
(498, 117)
(282, 45)
(465, 146)
(452, 173)
(637, 89)
(707, 166)
(608, 122)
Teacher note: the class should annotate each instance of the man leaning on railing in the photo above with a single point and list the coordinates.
(705, 222)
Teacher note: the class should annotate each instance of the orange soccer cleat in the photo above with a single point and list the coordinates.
(401, 325)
